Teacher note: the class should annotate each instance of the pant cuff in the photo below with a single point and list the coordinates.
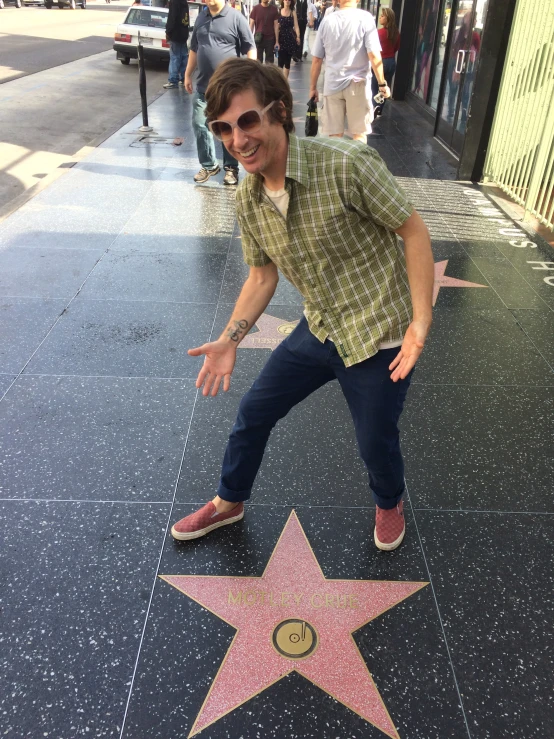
(233, 496)
(387, 503)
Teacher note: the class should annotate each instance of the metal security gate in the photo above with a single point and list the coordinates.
(520, 157)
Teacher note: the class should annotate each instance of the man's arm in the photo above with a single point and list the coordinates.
(421, 276)
(377, 66)
(189, 71)
(220, 355)
(276, 31)
(246, 38)
(314, 76)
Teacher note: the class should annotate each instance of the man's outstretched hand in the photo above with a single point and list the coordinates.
(219, 362)
(411, 348)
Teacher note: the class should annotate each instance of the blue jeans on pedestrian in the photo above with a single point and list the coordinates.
(389, 68)
(205, 143)
(178, 58)
(300, 365)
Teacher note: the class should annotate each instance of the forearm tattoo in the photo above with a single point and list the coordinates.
(237, 329)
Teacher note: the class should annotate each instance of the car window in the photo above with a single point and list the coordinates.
(146, 17)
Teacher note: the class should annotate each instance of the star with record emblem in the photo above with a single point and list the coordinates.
(292, 619)
(271, 333)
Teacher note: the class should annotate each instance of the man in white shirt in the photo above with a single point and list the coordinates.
(348, 41)
(335, 6)
(309, 39)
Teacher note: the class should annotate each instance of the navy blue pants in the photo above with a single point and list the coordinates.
(300, 365)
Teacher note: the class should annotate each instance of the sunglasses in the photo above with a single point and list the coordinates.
(248, 122)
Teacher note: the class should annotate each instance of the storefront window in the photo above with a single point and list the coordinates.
(439, 56)
(424, 48)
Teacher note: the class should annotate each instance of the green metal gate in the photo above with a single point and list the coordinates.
(520, 157)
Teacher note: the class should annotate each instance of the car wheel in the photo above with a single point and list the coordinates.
(60, 4)
(126, 60)
(48, 6)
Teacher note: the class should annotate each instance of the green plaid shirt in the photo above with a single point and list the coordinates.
(337, 245)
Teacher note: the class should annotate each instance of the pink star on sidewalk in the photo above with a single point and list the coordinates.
(271, 334)
(442, 281)
(293, 619)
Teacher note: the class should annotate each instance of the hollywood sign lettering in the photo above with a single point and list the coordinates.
(519, 238)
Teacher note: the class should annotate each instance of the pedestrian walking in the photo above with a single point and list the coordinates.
(311, 30)
(326, 214)
(302, 15)
(288, 36)
(264, 24)
(348, 41)
(177, 33)
(389, 38)
(333, 7)
(217, 35)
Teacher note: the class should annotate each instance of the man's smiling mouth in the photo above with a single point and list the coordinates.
(249, 152)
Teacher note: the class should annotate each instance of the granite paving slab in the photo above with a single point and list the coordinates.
(24, 323)
(479, 347)
(45, 273)
(493, 579)
(103, 438)
(125, 338)
(479, 448)
(75, 584)
(177, 278)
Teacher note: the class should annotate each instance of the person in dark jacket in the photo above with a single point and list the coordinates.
(177, 33)
(302, 15)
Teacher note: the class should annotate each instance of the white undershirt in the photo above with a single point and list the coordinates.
(280, 199)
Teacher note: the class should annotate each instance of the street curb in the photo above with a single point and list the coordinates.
(20, 200)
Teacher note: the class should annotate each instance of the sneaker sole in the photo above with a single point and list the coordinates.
(180, 536)
(388, 547)
(210, 174)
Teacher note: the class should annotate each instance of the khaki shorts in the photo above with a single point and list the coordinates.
(352, 103)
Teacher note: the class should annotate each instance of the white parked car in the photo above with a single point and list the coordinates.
(150, 22)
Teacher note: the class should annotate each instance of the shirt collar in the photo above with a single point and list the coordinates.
(297, 168)
(224, 10)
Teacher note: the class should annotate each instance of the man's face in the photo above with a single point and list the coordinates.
(265, 2)
(261, 151)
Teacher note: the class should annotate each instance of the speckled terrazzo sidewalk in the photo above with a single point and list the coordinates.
(106, 279)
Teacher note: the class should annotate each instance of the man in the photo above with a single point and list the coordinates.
(334, 6)
(302, 15)
(349, 42)
(313, 15)
(325, 213)
(217, 35)
(264, 24)
(177, 33)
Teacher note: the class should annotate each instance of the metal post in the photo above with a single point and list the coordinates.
(142, 87)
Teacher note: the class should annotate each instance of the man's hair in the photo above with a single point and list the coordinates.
(267, 82)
